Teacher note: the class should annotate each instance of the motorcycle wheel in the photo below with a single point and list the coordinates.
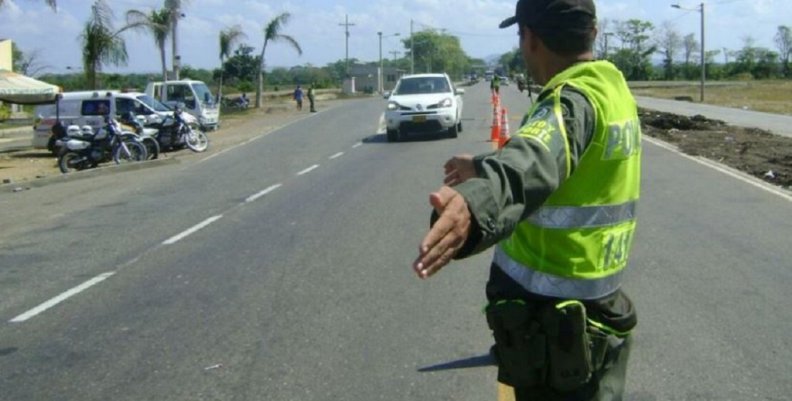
(197, 140)
(69, 162)
(152, 148)
(135, 152)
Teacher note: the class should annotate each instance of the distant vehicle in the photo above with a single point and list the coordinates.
(81, 108)
(426, 103)
(488, 75)
(194, 97)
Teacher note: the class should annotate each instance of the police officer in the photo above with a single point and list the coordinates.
(558, 202)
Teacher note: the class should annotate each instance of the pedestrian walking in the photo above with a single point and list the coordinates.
(298, 97)
(558, 203)
(311, 98)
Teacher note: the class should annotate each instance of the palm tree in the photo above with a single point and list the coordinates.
(51, 3)
(157, 23)
(101, 44)
(228, 37)
(272, 34)
(174, 10)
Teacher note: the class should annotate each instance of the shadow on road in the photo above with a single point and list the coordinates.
(467, 363)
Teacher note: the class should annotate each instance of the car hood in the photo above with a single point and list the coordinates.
(424, 100)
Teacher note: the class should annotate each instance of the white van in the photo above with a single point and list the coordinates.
(195, 96)
(82, 108)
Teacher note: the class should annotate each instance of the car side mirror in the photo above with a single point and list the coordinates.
(386, 95)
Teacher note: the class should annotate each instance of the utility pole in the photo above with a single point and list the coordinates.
(412, 49)
(395, 54)
(380, 82)
(346, 26)
(175, 34)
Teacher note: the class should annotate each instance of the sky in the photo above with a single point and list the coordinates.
(317, 26)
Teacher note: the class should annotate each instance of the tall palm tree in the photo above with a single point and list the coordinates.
(157, 23)
(101, 44)
(51, 3)
(272, 34)
(228, 38)
(174, 8)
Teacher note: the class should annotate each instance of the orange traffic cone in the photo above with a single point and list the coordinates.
(495, 132)
(504, 133)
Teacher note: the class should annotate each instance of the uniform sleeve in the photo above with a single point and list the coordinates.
(515, 181)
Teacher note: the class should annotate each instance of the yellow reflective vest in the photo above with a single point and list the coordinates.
(578, 243)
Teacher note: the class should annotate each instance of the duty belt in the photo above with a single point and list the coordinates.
(554, 286)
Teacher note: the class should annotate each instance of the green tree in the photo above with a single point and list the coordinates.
(437, 52)
(272, 33)
(668, 42)
(783, 40)
(27, 63)
(634, 56)
(228, 38)
(157, 23)
(101, 44)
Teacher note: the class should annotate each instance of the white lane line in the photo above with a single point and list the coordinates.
(193, 230)
(308, 170)
(337, 155)
(715, 166)
(253, 198)
(357, 145)
(60, 298)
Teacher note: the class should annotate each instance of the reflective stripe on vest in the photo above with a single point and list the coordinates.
(549, 285)
(561, 217)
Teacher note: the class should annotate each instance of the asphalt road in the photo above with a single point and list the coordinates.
(280, 270)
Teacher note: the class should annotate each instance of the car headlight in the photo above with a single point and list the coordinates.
(447, 102)
(393, 106)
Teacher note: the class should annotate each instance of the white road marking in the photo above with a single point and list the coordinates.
(253, 198)
(60, 298)
(337, 155)
(308, 170)
(192, 230)
(715, 166)
(357, 145)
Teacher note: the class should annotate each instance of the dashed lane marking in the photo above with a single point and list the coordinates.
(62, 297)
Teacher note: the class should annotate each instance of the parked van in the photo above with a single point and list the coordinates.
(195, 96)
(82, 108)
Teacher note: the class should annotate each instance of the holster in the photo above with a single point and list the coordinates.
(545, 344)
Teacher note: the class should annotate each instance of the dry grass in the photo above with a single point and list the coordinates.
(767, 96)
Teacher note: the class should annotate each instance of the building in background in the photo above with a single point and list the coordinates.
(6, 55)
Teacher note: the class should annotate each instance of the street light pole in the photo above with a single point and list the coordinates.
(703, 47)
(380, 83)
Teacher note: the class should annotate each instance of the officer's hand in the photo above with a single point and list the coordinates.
(447, 235)
(459, 169)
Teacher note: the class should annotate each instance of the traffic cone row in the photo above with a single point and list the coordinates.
(495, 131)
(504, 132)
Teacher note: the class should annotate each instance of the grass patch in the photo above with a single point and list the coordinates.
(767, 96)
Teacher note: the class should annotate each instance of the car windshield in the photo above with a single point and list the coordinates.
(421, 85)
(155, 104)
(203, 93)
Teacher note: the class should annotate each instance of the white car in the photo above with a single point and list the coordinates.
(426, 103)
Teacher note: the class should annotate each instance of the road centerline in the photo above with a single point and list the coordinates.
(192, 230)
(62, 297)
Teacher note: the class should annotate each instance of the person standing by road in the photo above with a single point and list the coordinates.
(298, 97)
(558, 202)
(495, 84)
(311, 98)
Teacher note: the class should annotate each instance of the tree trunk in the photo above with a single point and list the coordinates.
(164, 65)
(260, 76)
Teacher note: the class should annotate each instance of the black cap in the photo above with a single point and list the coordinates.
(575, 15)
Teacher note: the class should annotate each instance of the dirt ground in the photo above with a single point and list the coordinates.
(21, 165)
(753, 151)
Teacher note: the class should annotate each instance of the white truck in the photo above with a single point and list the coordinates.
(194, 97)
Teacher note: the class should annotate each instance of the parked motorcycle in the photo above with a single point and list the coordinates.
(149, 137)
(83, 148)
(179, 130)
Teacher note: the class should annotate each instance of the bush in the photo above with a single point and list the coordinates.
(5, 112)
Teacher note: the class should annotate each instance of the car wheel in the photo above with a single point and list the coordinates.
(393, 135)
(459, 126)
(453, 132)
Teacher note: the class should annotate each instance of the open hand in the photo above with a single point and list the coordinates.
(448, 234)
